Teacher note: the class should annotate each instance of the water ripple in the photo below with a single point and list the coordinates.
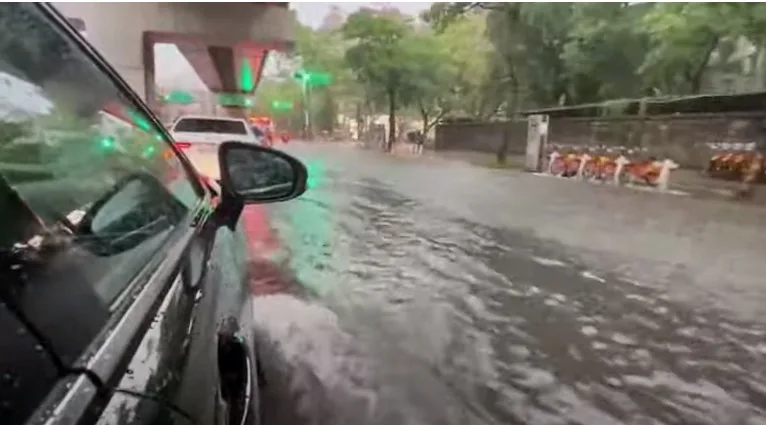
(420, 316)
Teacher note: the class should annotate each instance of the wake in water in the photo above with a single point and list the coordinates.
(439, 312)
(316, 372)
(313, 372)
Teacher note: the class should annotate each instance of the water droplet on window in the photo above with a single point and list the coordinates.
(38, 348)
(21, 331)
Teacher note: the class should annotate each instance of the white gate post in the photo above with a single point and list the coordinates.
(537, 138)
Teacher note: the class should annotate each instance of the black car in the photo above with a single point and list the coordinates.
(124, 294)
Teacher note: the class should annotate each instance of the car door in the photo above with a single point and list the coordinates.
(112, 262)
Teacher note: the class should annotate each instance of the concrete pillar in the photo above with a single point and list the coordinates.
(224, 61)
(199, 58)
(117, 30)
(219, 66)
(150, 88)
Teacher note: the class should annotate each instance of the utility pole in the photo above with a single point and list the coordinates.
(307, 108)
(304, 82)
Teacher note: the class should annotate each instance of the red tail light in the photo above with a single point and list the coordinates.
(183, 145)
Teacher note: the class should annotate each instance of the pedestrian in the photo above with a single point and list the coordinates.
(420, 139)
(412, 140)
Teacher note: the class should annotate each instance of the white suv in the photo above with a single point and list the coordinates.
(199, 137)
(212, 130)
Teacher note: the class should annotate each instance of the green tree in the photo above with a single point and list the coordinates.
(272, 92)
(683, 37)
(475, 92)
(432, 78)
(506, 30)
(379, 57)
(604, 51)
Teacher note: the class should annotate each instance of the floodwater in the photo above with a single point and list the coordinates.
(431, 292)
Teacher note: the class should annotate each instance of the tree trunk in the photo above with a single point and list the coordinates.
(391, 120)
(695, 76)
(424, 116)
(502, 152)
(510, 113)
(359, 122)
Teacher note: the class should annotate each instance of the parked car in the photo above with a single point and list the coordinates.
(124, 295)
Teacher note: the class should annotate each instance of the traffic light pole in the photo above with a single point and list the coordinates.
(306, 94)
(307, 112)
(307, 80)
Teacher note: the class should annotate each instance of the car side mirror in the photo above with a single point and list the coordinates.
(254, 174)
(138, 208)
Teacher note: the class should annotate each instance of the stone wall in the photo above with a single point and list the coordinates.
(687, 139)
(481, 137)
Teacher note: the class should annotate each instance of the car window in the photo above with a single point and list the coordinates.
(91, 190)
(205, 125)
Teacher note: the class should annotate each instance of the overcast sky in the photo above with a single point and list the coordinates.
(174, 71)
(313, 13)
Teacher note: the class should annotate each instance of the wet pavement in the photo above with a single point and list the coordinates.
(433, 292)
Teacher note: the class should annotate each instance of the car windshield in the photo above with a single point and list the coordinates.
(209, 125)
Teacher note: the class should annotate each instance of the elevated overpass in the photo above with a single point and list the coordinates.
(216, 38)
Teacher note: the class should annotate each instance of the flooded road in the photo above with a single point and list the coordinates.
(439, 293)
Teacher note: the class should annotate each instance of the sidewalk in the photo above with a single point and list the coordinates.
(697, 183)
(693, 182)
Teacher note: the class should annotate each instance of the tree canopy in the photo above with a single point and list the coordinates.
(485, 60)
